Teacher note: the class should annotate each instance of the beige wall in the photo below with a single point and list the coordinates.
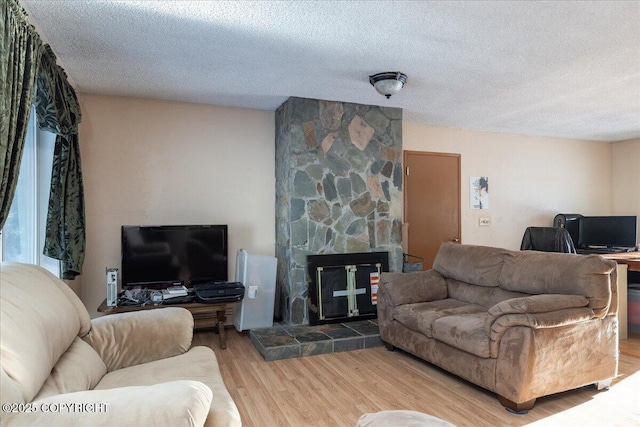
(531, 179)
(157, 162)
(626, 178)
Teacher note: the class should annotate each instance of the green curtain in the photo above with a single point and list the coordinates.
(58, 111)
(20, 53)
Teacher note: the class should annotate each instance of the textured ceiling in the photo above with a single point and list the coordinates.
(557, 68)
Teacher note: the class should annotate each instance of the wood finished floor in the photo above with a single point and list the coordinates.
(335, 389)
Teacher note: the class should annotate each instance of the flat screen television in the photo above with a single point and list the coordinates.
(608, 231)
(160, 256)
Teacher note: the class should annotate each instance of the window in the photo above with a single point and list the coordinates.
(22, 238)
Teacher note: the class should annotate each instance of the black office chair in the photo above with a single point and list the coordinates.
(547, 239)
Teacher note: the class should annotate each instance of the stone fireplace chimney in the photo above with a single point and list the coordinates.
(338, 189)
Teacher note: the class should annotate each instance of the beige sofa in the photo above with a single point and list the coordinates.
(59, 368)
(521, 324)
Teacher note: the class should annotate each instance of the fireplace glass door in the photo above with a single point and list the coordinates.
(343, 287)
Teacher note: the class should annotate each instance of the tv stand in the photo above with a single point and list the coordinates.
(205, 316)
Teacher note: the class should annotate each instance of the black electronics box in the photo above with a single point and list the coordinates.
(214, 292)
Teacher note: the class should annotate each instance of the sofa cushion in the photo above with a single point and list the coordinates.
(175, 404)
(551, 273)
(197, 364)
(479, 295)
(39, 321)
(464, 332)
(9, 391)
(141, 336)
(79, 368)
(417, 286)
(472, 264)
(420, 316)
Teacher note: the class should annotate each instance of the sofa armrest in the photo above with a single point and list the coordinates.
(543, 303)
(542, 320)
(552, 319)
(128, 339)
(408, 288)
(175, 403)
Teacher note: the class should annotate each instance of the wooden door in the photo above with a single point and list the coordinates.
(431, 202)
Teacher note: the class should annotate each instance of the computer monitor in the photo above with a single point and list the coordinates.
(608, 231)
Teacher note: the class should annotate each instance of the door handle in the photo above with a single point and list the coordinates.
(455, 240)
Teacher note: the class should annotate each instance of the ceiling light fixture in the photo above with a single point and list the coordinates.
(388, 83)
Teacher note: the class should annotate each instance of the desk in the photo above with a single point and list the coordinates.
(204, 315)
(627, 261)
(631, 259)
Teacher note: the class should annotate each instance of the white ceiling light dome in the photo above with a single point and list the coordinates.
(388, 83)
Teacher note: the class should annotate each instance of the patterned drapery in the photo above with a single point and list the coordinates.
(28, 70)
(58, 111)
(20, 53)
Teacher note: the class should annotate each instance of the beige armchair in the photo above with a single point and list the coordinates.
(61, 368)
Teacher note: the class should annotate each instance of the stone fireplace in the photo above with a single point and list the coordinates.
(338, 189)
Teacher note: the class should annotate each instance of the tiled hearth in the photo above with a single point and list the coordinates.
(288, 341)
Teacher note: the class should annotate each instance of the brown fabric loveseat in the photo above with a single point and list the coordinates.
(521, 324)
(60, 368)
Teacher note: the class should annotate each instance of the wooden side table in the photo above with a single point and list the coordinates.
(204, 315)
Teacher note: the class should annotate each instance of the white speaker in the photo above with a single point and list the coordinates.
(112, 287)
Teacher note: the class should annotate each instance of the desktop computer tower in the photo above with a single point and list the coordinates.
(258, 275)
(112, 287)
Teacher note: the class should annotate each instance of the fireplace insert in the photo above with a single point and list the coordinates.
(343, 287)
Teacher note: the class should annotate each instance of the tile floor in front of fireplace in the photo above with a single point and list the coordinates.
(284, 341)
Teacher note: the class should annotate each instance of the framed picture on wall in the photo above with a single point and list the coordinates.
(479, 192)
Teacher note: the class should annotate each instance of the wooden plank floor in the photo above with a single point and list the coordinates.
(335, 389)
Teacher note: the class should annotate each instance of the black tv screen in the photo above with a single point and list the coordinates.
(609, 231)
(159, 256)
